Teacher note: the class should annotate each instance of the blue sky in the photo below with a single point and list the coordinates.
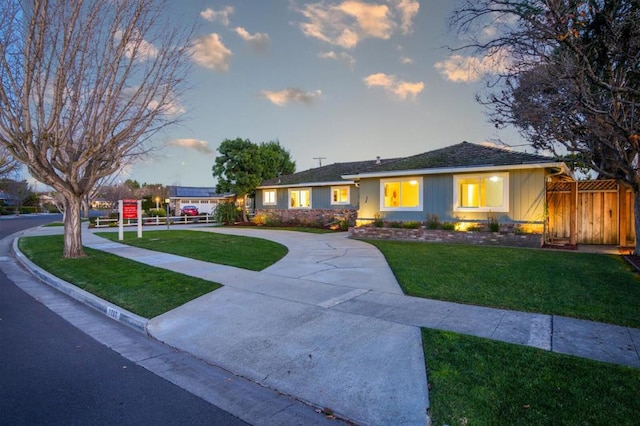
(344, 80)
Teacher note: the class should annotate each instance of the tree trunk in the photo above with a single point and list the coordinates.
(72, 227)
(244, 208)
(636, 219)
(86, 208)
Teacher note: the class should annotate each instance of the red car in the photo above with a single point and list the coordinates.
(189, 211)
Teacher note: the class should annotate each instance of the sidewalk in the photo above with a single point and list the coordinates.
(329, 325)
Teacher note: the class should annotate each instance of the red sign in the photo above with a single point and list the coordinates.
(129, 209)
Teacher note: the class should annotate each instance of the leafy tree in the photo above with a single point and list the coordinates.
(84, 86)
(571, 78)
(18, 191)
(243, 165)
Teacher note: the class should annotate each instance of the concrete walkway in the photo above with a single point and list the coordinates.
(329, 325)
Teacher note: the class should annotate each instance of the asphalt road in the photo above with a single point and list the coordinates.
(52, 373)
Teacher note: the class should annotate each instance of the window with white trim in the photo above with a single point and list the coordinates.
(300, 198)
(401, 194)
(269, 197)
(339, 195)
(481, 192)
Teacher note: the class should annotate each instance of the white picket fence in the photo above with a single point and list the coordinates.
(155, 220)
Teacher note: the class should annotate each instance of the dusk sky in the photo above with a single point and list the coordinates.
(344, 80)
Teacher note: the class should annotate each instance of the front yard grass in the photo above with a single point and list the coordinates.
(254, 254)
(477, 381)
(139, 288)
(589, 286)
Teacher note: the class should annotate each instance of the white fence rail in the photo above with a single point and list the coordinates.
(102, 222)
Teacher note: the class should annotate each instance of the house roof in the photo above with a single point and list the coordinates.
(462, 155)
(325, 174)
(194, 192)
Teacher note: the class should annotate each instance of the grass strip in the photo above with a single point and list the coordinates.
(589, 286)
(254, 254)
(139, 288)
(477, 381)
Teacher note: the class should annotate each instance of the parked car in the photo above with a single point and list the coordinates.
(189, 211)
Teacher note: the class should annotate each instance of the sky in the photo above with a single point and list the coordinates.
(332, 81)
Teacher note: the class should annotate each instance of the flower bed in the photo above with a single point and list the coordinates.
(511, 239)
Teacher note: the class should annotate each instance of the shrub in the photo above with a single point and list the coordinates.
(158, 212)
(377, 221)
(449, 226)
(494, 225)
(226, 213)
(412, 224)
(432, 221)
(395, 224)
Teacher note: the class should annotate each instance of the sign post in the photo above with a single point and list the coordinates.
(129, 209)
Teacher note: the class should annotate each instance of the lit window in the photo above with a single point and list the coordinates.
(299, 198)
(340, 195)
(401, 194)
(269, 197)
(486, 192)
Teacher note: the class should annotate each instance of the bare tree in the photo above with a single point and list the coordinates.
(571, 84)
(8, 164)
(85, 85)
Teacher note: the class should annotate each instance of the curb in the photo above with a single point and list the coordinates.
(115, 312)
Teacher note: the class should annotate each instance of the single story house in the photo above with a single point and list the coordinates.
(461, 183)
(205, 199)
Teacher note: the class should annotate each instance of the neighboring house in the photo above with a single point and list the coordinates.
(100, 203)
(461, 183)
(205, 199)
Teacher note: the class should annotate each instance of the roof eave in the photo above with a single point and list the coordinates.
(307, 184)
(467, 169)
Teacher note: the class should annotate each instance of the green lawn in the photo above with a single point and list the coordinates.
(474, 381)
(253, 254)
(589, 286)
(141, 289)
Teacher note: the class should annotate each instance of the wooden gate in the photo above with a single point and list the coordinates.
(604, 212)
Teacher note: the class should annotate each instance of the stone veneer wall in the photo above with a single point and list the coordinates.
(479, 238)
(310, 215)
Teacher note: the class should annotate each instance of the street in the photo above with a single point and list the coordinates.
(53, 373)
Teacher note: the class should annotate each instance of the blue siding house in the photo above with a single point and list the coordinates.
(465, 182)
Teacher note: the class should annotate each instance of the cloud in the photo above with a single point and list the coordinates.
(195, 144)
(283, 97)
(342, 56)
(406, 60)
(407, 9)
(210, 52)
(398, 88)
(170, 105)
(173, 107)
(468, 69)
(258, 41)
(138, 47)
(348, 22)
(221, 16)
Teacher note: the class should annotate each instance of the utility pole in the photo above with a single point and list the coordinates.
(320, 159)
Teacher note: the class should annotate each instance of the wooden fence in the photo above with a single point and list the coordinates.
(604, 212)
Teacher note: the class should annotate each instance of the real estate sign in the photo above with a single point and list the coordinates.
(129, 209)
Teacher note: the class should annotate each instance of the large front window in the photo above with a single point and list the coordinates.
(299, 198)
(401, 194)
(486, 192)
